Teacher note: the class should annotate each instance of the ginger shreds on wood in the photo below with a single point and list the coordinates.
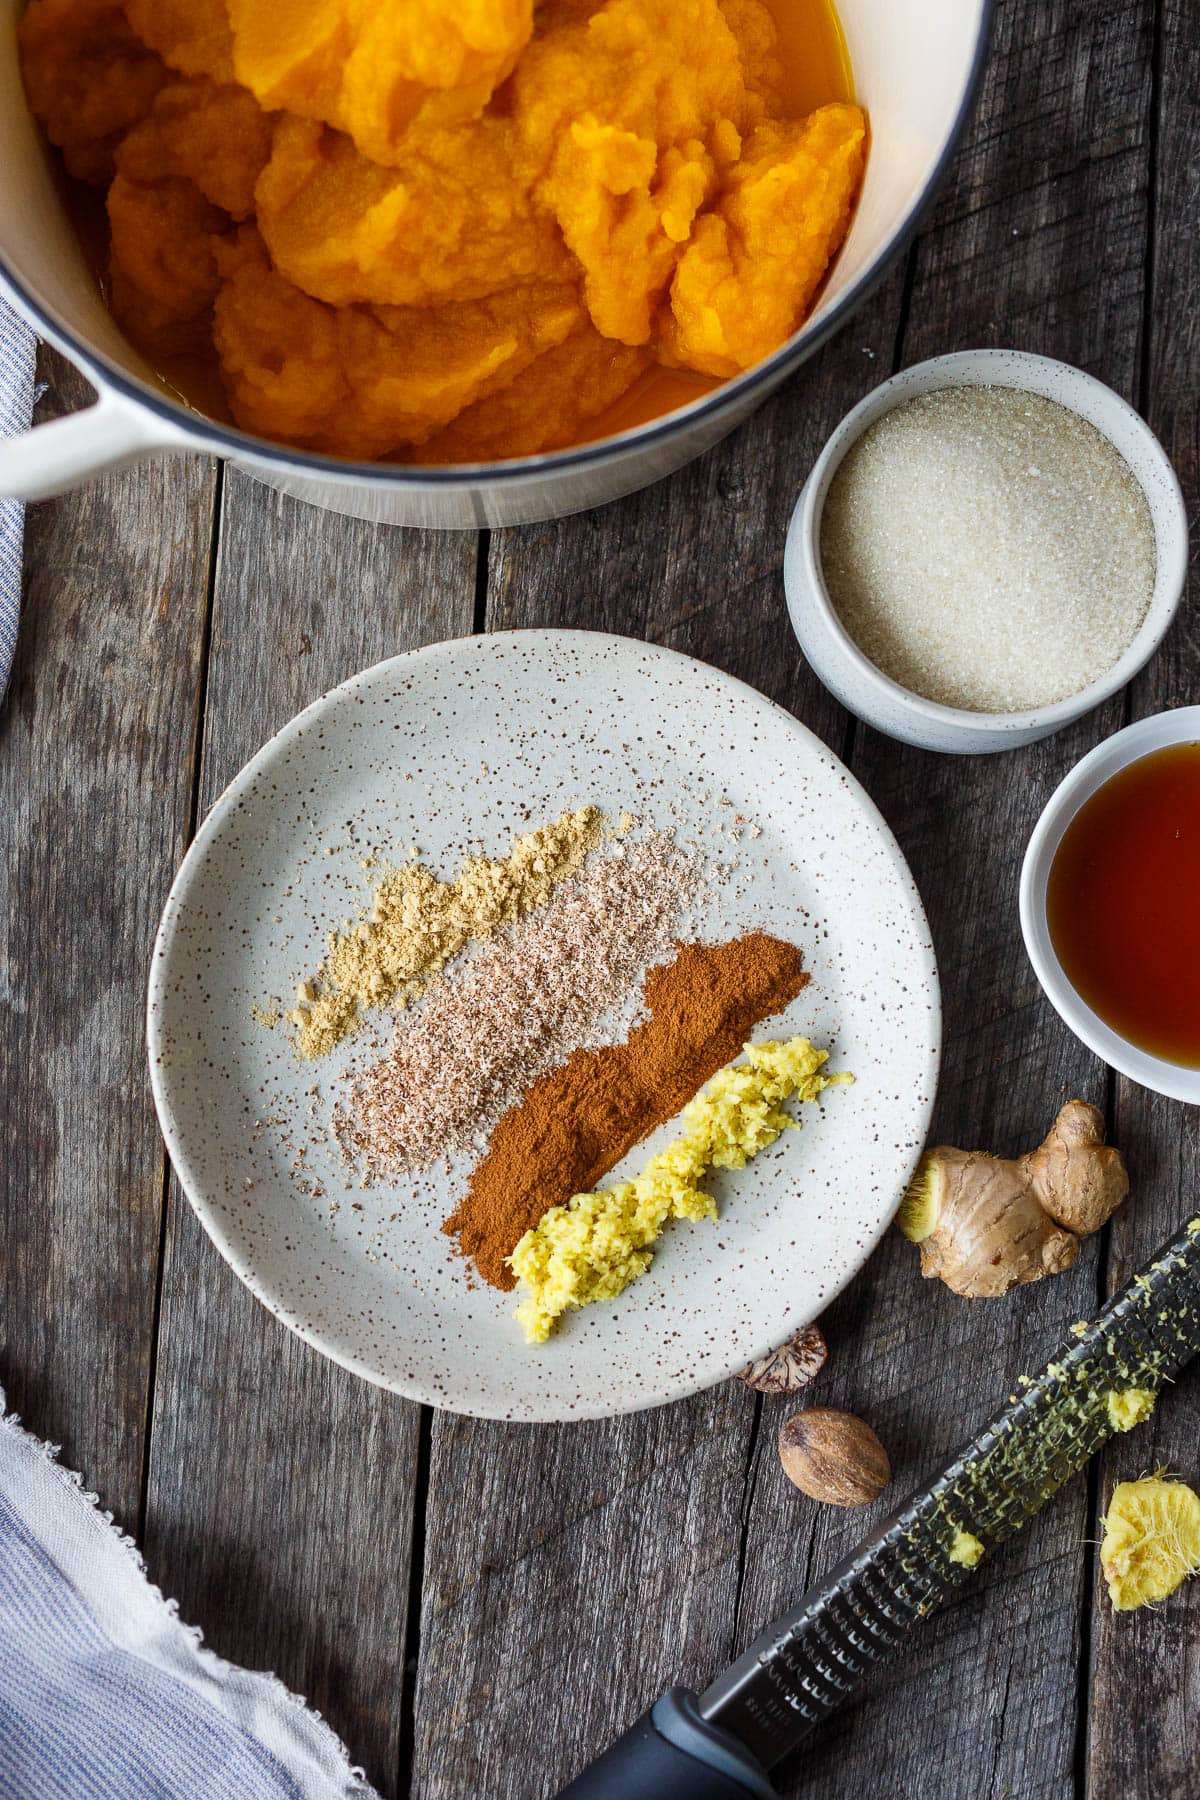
(986, 1224)
(1151, 1540)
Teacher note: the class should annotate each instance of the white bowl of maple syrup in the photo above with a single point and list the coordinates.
(1110, 902)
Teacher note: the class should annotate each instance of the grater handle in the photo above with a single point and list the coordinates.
(671, 1753)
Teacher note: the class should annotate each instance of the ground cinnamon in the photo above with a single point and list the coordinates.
(575, 1124)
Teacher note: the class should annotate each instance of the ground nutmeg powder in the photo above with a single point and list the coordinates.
(575, 1124)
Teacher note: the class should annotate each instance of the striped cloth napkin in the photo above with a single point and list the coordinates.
(104, 1695)
(17, 351)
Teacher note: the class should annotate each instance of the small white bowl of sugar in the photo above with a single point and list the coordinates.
(989, 545)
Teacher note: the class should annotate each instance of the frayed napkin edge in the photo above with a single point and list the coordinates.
(353, 1776)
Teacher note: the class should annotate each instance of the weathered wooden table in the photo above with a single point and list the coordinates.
(476, 1608)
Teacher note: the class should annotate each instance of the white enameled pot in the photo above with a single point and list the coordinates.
(916, 65)
(855, 680)
(1179, 726)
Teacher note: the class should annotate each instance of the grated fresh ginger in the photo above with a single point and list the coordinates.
(1127, 1407)
(966, 1549)
(594, 1246)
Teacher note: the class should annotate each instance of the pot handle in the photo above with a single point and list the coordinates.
(49, 459)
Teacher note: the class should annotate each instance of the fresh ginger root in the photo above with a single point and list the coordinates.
(1078, 1180)
(1151, 1540)
(986, 1224)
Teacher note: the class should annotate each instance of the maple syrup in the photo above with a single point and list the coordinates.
(1123, 903)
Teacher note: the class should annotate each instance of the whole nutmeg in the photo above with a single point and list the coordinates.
(833, 1456)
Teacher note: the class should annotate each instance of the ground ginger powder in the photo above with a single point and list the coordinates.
(445, 232)
(418, 923)
(592, 1248)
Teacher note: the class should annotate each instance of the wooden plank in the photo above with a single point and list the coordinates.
(96, 752)
(1038, 241)
(281, 1488)
(571, 1574)
(1146, 1666)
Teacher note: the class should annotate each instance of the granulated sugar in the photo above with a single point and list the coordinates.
(988, 549)
(523, 1003)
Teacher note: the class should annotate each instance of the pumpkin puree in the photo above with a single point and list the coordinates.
(445, 230)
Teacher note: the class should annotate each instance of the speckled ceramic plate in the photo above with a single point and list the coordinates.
(398, 756)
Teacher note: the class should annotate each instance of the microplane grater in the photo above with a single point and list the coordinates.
(719, 1746)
